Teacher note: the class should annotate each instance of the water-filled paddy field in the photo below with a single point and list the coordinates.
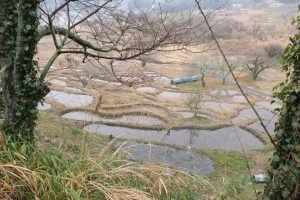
(174, 129)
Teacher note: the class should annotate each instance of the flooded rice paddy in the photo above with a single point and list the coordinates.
(58, 82)
(174, 96)
(70, 100)
(124, 119)
(270, 125)
(268, 104)
(82, 116)
(151, 90)
(218, 105)
(185, 160)
(229, 138)
(43, 106)
(225, 92)
(73, 89)
(248, 114)
(238, 99)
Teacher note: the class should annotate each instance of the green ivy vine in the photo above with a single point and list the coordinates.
(30, 89)
(285, 165)
(22, 88)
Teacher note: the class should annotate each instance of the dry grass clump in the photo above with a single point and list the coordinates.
(27, 173)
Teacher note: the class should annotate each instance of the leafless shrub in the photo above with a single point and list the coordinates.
(100, 31)
(192, 102)
(229, 29)
(256, 66)
(273, 50)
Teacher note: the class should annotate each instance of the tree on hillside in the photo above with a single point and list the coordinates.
(273, 50)
(224, 73)
(230, 29)
(256, 66)
(203, 74)
(97, 30)
(201, 69)
(193, 101)
(256, 30)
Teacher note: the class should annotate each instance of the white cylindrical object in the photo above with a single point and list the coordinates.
(261, 178)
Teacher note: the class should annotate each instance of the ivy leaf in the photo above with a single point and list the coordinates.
(294, 125)
(279, 134)
(32, 13)
(285, 193)
(7, 23)
(28, 27)
(2, 29)
(276, 158)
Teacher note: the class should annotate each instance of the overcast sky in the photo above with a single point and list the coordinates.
(180, 5)
(189, 4)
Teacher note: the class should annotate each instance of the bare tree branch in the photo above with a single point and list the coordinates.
(92, 29)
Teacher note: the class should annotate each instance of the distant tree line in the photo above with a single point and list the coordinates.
(182, 5)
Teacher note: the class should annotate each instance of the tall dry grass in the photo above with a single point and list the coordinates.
(27, 173)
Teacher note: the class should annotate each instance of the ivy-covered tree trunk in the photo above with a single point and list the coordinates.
(21, 88)
(8, 19)
(285, 167)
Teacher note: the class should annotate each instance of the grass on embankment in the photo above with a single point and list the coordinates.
(57, 169)
(231, 177)
(61, 172)
(194, 121)
(27, 173)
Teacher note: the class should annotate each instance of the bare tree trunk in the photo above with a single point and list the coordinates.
(203, 83)
(254, 75)
(223, 81)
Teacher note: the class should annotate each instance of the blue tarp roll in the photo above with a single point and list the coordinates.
(184, 80)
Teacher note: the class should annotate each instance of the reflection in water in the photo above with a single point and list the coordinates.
(192, 135)
(270, 125)
(178, 158)
(249, 114)
(268, 104)
(224, 138)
